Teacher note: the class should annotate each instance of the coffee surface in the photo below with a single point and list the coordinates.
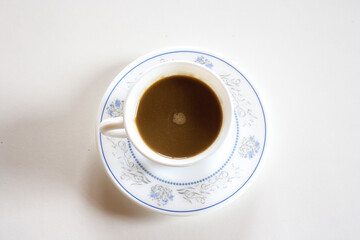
(179, 116)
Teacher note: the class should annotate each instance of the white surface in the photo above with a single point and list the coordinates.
(58, 57)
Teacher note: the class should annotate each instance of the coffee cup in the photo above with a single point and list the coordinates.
(126, 126)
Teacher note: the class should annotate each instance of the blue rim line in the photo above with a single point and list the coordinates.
(193, 182)
(200, 209)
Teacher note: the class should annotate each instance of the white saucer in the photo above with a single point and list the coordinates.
(212, 182)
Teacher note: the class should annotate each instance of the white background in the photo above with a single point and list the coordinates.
(58, 57)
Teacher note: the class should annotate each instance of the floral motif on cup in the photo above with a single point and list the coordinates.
(249, 147)
(204, 61)
(162, 195)
(115, 109)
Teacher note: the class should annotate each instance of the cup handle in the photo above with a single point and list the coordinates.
(113, 127)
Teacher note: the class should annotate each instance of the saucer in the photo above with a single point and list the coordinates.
(209, 184)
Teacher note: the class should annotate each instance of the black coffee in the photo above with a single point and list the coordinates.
(179, 116)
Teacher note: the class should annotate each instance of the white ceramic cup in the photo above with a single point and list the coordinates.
(125, 127)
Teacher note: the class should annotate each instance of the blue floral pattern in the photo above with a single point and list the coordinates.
(161, 194)
(249, 147)
(204, 61)
(116, 108)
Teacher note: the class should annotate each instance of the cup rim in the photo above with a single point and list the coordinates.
(139, 143)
